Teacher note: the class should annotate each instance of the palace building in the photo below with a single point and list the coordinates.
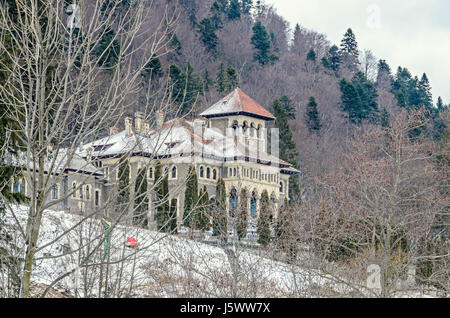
(228, 141)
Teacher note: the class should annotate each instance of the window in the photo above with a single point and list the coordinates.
(281, 187)
(230, 172)
(253, 207)
(22, 186)
(87, 192)
(215, 174)
(174, 172)
(97, 197)
(55, 192)
(150, 173)
(208, 173)
(74, 189)
(16, 186)
(202, 172)
(235, 172)
(81, 192)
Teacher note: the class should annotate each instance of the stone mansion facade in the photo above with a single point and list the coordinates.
(228, 141)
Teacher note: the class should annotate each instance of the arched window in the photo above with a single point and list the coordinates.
(74, 189)
(208, 173)
(174, 172)
(244, 128)
(81, 192)
(55, 192)
(281, 187)
(215, 174)
(87, 192)
(16, 186)
(22, 186)
(97, 197)
(253, 199)
(233, 202)
(235, 172)
(252, 130)
(235, 127)
(150, 173)
(202, 172)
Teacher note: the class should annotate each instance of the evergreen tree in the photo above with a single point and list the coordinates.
(359, 99)
(349, 51)
(123, 192)
(242, 217)
(333, 59)
(176, 44)
(384, 77)
(227, 79)
(207, 80)
(108, 50)
(440, 104)
(263, 225)
(207, 29)
(285, 232)
(186, 86)
(220, 219)
(153, 69)
(288, 107)
(384, 118)
(311, 55)
(288, 148)
(161, 186)
(202, 216)
(262, 44)
(425, 95)
(141, 199)
(172, 224)
(312, 119)
(191, 200)
(234, 10)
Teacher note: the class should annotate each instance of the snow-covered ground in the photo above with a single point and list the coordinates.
(163, 265)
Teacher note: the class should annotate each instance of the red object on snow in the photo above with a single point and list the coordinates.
(132, 242)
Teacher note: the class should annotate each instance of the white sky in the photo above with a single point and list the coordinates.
(409, 33)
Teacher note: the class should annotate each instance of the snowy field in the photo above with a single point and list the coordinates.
(162, 266)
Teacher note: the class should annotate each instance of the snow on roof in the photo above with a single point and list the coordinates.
(237, 102)
(178, 137)
(58, 164)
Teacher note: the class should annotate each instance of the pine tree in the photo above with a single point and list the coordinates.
(440, 104)
(207, 29)
(176, 44)
(108, 50)
(349, 51)
(384, 118)
(333, 59)
(220, 219)
(246, 6)
(153, 69)
(207, 80)
(202, 219)
(242, 217)
(384, 77)
(426, 97)
(172, 224)
(161, 186)
(288, 107)
(312, 119)
(263, 225)
(227, 78)
(123, 192)
(141, 199)
(359, 99)
(185, 87)
(311, 55)
(191, 201)
(234, 10)
(288, 148)
(262, 44)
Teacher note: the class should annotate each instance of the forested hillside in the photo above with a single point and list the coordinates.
(330, 90)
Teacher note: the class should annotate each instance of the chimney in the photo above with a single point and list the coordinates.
(113, 130)
(159, 118)
(128, 126)
(89, 154)
(146, 128)
(138, 121)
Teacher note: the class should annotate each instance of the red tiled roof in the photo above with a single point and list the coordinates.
(237, 102)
